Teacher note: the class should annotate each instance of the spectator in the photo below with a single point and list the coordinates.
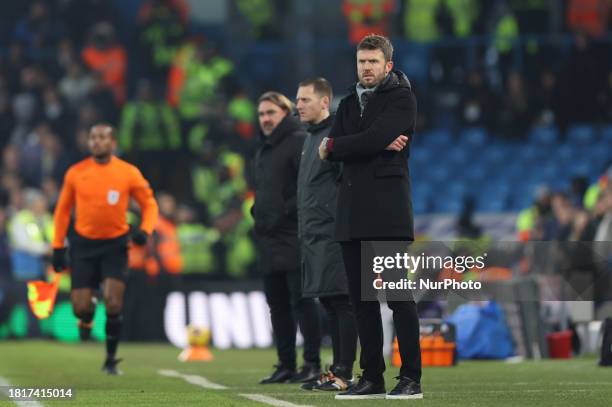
(150, 134)
(604, 228)
(56, 113)
(105, 55)
(38, 30)
(30, 233)
(162, 25)
(27, 103)
(581, 81)
(547, 100)
(476, 107)
(515, 115)
(589, 16)
(5, 254)
(7, 122)
(167, 259)
(76, 85)
(605, 100)
(80, 15)
(102, 98)
(196, 242)
(366, 17)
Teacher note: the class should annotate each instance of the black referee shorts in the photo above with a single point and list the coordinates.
(93, 261)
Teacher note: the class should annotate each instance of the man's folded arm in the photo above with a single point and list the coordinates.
(396, 119)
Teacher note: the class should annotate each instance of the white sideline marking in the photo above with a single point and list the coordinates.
(4, 382)
(270, 401)
(207, 384)
(193, 379)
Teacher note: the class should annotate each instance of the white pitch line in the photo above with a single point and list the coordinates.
(4, 382)
(270, 401)
(193, 379)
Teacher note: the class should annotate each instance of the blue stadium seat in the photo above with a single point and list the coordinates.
(475, 172)
(439, 172)
(580, 168)
(520, 202)
(436, 138)
(457, 155)
(544, 135)
(565, 152)
(420, 206)
(606, 134)
(581, 134)
(473, 136)
(421, 154)
(496, 154)
(530, 152)
(491, 204)
(445, 203)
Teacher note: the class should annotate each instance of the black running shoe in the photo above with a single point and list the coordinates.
(110, 367)
(406, 388)
(365, 389)
(282, 374)
(308, 373)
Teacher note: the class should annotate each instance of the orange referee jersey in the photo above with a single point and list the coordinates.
(100, 195)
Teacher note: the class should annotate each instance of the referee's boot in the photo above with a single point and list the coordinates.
(110, 366)
(405, 389)
(282, 374)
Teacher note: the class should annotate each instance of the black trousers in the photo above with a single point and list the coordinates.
(369, 324)
(284, 295)
(343, 330)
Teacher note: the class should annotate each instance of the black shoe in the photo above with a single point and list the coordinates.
(282, 374)
(308, 373)
(365, 389)
(405, 389)
(313, 384)
(337, 383)
(110, 367)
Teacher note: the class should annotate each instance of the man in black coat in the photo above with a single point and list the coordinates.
(372, 127)
(323, 273)
(277, 162)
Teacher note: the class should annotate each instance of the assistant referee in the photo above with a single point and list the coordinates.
(99, 188)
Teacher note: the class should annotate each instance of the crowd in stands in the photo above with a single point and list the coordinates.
(189, 123)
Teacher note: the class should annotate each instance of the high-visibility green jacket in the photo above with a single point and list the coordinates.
(149, 126)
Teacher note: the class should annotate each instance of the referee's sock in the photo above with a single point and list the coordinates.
(113, 329)
(85, 325)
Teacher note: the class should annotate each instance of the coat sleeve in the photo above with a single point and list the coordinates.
(290, 203)
(397, 118)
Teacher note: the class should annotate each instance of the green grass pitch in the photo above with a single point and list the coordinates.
(576, 382)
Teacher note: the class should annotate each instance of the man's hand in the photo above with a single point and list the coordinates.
(59, 259)
(323, 153)
(398, 144)
(139, 237)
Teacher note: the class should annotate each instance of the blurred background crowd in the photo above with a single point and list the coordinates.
(515, 111)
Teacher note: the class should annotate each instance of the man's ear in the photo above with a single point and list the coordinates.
(389, 66)
(326, 101)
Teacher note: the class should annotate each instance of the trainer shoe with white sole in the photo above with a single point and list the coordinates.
(364, 390)
(405, 389)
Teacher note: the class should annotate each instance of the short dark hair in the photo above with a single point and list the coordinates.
(321, 86)
(374, 41)
(113, 131)
(277, 99)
